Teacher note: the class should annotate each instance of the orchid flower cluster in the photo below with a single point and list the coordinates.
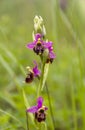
(44, 49)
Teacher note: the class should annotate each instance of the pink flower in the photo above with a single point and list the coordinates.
(38, 110)
(38, 46)
(34, 72)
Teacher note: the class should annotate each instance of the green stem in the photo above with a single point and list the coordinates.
(42, 126)
(81, 89)
(74, 106)
(45, 126)
(50, 106)
(41, 81)
(27, 121)
(40, 88)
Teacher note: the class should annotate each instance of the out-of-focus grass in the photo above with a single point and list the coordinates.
(66, 79)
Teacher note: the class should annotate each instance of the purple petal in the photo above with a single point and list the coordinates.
(32, 109)
(31, 45)
(35, 63)
(50, 49)
(36, 70)
(38, 35)
(39, 102)
(52, 55)
(46, 108)
(48, 44)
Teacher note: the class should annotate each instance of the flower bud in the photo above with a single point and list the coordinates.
(43, 31)
(45, 54)
(39, 26)
(33, 36)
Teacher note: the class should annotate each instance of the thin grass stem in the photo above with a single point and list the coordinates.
(73, 102)
(54, 19)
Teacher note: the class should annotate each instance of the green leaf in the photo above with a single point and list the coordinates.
(45, 73)
(45, 68)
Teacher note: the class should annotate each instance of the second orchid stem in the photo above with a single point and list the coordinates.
(27, 120)
(50, 106)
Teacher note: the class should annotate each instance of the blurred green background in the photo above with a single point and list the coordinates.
(65, 24)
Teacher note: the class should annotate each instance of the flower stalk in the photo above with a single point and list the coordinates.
(27, 122)
(44, 49)
(44, 72)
